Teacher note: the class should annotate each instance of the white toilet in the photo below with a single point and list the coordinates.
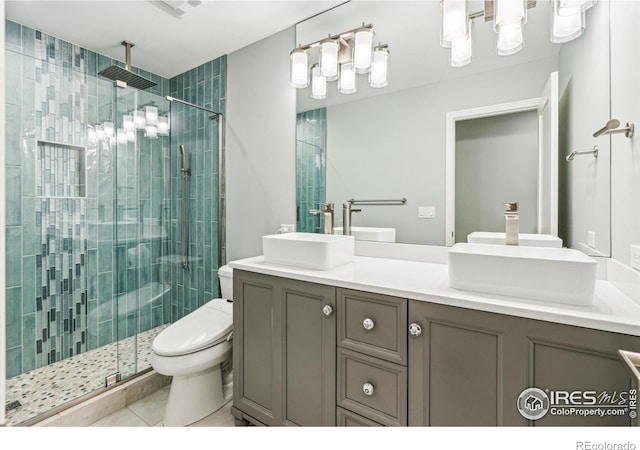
(191, 351)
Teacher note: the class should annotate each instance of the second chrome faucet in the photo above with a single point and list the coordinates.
(346, 218)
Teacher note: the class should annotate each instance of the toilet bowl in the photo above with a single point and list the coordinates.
(191, 350)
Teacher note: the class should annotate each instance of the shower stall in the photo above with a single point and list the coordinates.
(96, 194)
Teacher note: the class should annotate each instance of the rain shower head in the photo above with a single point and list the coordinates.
(117, 73)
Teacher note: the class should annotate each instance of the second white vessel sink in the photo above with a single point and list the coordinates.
(559, 275)
(526, 239)
(370, 233)
(308, 250)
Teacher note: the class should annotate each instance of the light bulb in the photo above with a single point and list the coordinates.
(127, 123)
(347, 80)
(378, 76)
(362, 50)
(461, 52)
(454, 26)
(329, 59)
(109, 129)
(510, 40)
(139, 120)
(299, 68)
(566, 28)
(122, 136)
(151, 131)
(151, 115)
(318, 83)
(163, 126)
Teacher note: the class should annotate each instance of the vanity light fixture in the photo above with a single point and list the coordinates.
(509, 18)
(341, 57)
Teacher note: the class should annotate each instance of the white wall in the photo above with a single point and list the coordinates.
(625, 106)
(584, 183)
(393, 145)
(2, 239)
(260, 144)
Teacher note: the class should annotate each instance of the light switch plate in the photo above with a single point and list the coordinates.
(426, 212)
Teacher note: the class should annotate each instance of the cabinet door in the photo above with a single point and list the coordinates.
(584, 364)
(309, 364)
(257, 347)
(461, 368)
(284, 350)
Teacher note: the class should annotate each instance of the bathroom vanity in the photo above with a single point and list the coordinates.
(388, 342)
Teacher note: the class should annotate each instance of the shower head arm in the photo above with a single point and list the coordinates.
(127, 54)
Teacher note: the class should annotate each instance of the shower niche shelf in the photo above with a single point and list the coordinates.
(61, 170)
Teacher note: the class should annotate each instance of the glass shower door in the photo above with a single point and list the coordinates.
(141, 234)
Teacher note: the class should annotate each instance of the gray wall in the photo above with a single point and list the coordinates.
(496, 162)
(260, 144)
(584, 183)
(625, 106)
(393, 145)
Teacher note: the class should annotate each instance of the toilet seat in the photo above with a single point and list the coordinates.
(203, 328)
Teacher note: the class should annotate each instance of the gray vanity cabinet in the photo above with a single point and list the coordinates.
(468, 367)
(284, 351)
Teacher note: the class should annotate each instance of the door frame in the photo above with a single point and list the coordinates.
(452, 118)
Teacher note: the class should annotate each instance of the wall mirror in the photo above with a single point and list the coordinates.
(390, 143)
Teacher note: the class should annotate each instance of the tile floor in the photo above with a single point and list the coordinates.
(148, 411)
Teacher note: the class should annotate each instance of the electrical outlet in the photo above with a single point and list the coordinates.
(635, 256)
(591, 239)
(426, 212)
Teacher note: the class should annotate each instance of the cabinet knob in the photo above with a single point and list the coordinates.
(368, 324)
(327, 310)
(415, 330)
(367, 388)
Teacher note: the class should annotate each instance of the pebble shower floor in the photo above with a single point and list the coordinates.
(43, 389)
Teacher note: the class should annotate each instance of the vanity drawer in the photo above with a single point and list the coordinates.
(373, 324)
(346, 418)
(372, 388)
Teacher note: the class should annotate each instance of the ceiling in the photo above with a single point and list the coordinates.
(164, 44)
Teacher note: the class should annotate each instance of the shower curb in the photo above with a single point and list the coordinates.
(103, 404)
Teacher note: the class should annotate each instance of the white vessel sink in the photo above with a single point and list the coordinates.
(371, 233)
(524, 239)
(559, 275)
(308, 250)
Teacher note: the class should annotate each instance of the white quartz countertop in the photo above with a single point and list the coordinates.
(611, 311)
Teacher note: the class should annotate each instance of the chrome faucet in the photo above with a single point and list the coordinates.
(346, 218)
(328, 214)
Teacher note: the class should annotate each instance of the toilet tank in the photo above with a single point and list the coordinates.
(225, 275)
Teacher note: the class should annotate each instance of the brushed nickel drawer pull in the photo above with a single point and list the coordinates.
(368, 324)
(327, 310)
(367, 388)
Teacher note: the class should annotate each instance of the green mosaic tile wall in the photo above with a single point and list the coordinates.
(89, 262)
(311, 157)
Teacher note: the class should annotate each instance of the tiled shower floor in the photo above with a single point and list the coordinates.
(43, 389)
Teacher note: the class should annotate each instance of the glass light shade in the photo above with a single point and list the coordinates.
(572, 7)
(362, 50)
(378, 77)
(510, 40)
(151, 131)
(460, 53)
(122, 136)
(329, 59)
(99, 132)
(109, 129)
(454, 26)
(299, 68)
(127, 123)
(509, 13)
(163, 126)
(566, 28)
(347, 80)
(138, 120)
(318, 83)
(151, 115)
(131, 136)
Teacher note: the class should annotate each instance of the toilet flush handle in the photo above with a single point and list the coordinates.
(230, 336)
